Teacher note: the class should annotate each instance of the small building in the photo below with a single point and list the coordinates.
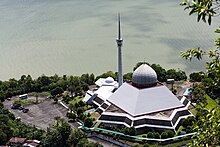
(104, 89)
(187, 93)
(16, 141)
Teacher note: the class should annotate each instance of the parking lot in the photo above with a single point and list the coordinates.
(41, 115)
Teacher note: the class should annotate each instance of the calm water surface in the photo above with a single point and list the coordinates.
(78, 36)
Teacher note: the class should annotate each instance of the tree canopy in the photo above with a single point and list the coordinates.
(205, 9)
(207, 125)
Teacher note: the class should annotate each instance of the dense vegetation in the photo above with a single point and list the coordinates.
(75, 85)
(208, 121)
(9, 126)
(59, 134)
(54, 84)
(162, 74)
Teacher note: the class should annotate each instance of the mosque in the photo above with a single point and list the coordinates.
(143, 103)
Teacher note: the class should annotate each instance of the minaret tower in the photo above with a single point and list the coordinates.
(119, 43)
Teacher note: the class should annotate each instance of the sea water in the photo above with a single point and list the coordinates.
(79, 36)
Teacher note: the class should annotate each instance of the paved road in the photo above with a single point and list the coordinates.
(180, 91)
(104, 143)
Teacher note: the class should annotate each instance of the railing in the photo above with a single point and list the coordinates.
(138, 137)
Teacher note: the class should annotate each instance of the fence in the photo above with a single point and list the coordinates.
(139, 137)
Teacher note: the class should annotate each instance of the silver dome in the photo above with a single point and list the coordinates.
(144, 76)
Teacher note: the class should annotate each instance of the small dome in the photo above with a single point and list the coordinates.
(144, 76)
(109, 80)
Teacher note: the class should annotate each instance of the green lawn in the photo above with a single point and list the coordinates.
(95, 115)
(76, 100)
(192, 110)
(23, 101)
(211, 103)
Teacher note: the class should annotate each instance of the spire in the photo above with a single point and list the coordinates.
(119, 43)
(119, 27)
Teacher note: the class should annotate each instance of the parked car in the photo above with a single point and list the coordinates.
(21, 108)
(15, 106)
(25, 110)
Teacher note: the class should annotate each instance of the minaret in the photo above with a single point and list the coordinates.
(119, 43)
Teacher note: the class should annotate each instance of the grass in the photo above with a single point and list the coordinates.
(192, 110)
(97, 124)
(76, 100)
(211, 103)
(95, 115)
(179, 130)
(23, 101)
(40, 94)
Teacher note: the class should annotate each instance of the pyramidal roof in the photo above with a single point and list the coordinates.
(136, 101)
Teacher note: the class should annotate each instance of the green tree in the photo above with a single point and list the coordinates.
(127, 76)
(176, 75)
(196, 76)
(56, 91)
(208, 128)
(3, 137)
(207, 124)
(75, 136)
(198, 94)
(58, 134)
(79, 110)
(161, 72)
(107, 74)
(71, 115)
(72, 107)
(88, 122)
(205, 9)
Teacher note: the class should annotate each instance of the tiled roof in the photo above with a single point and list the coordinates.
(17, 140)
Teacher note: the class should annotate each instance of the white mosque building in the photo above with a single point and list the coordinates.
(143, 103)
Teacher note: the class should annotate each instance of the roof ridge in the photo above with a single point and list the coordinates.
(136, 102)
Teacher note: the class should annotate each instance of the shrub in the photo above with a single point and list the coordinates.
(88, 122)
(170, 133)
(81, 103)
(150, 135)
(132, 131)
(164, 135)
(157, 135)
(125, 130)
(55, 99)
(189, 129)
(146, 145)
(88, 115)
(82, 116)
(79, 111)
(72, 115)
